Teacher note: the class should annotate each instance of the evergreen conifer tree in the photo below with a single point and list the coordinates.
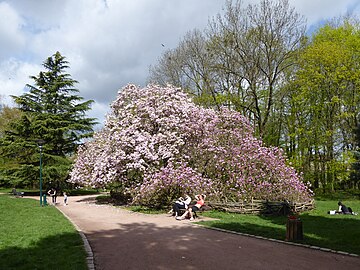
(53, 112)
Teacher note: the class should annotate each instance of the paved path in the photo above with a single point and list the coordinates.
(125, 240)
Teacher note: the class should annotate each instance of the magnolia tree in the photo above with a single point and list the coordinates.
(157, 144)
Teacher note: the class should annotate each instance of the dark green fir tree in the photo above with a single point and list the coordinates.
(54, 114)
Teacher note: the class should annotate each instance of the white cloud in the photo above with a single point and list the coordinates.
(108, 43)
(40, 14)
(99, 110)
(317, 11)
(10, 31)
(14, 75)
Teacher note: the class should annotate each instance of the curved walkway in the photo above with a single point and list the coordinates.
(120, 239)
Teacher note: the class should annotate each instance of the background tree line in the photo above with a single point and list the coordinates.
(299, 91)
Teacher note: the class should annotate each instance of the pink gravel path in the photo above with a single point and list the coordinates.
(125, 240)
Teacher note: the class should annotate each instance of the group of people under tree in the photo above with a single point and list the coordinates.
(52, 192)
(183, 204)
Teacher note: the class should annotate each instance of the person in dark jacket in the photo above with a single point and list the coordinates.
(343, 209)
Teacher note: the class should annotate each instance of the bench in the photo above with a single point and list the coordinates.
(202, 209)
(182, 211)
(16, 193)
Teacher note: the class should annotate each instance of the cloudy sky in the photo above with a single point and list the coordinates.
(110, 43)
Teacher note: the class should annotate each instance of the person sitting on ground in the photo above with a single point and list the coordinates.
(200, 202)
(181, 203)
(343, 209)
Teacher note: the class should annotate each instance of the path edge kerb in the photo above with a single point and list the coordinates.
(279, 241)
(88, 249)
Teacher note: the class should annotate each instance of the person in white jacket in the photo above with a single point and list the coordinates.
(190, 212)
(181, 203)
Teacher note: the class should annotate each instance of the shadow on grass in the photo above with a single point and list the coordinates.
(63, 251)
(251, 228)
(340, 233)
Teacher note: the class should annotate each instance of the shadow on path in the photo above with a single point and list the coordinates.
(148, 246)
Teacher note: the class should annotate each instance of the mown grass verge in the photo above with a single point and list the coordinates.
(34, 237)
(337, 232)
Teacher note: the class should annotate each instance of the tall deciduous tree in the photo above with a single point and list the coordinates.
(53, 112)
(7, 116)
(326, 100)
(355, 174)
(260, 43)
(242, 62)
(190, 67)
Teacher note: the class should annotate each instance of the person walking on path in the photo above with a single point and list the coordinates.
(65, 198)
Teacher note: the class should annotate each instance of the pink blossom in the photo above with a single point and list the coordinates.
(158, 144)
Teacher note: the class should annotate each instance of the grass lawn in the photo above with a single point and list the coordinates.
(338, 232)
(34, 237)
